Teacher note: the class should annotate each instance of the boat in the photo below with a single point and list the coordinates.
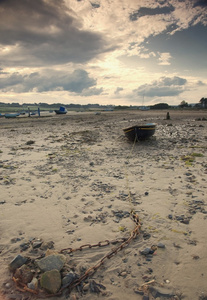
(61, 111)
(140, 132)
(144, 108)
(11, 115)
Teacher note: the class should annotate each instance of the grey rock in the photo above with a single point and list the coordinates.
(51, 281)
(69, 278)
(24, 246)
(33, 285)
(146, 251)
(50, 262)
(160, 245)
(17, 262)
(37, 244)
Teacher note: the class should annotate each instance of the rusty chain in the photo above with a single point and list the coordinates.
(124, 243)
(89, 246)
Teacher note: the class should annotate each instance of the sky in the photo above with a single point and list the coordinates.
(107, 52)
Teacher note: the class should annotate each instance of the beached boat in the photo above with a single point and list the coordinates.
(61, 111)
(11, 115)
(140, 132)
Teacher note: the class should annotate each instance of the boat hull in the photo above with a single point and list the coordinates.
(9, 116)
(59, 112)
(140, 132)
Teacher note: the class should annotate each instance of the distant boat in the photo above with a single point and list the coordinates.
(61, 111)
(144, 108)
(11, 115)
(140, 132)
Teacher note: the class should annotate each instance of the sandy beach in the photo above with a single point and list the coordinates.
(72, 180)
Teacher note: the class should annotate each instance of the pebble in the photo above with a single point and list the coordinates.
(69, 278)
(8, 285)
(161, 245)
(161, 292)
(33, 285)
(24, 246)
(123, 274)
(37, 244)
(148, 250)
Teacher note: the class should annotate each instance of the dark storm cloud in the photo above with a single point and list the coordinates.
(163, 87)
(76, 82)
(44, 32)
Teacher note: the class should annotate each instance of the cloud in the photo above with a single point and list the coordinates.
(40, 32)
(163, 87)
(118, 90)
(164, 58)
(72, 46)
(76, 82)
(200, 83)
(91, 92)
(148, 11)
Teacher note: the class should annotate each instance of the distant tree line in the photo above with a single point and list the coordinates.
(202, 104)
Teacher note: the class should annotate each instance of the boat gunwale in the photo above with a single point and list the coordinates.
(150, 126)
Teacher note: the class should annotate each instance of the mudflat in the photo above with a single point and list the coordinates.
(73, 180)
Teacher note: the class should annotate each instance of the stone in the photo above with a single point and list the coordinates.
(17, 262)
(33, 285)
(160, 245)
(69, 278)
(147, 251)
(24, 274)
(51, 281)
(36, 244)
(161, 292)
(51, 262)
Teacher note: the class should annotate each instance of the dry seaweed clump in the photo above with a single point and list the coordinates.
(190, 159)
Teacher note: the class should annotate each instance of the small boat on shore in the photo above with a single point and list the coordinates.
(140, 132)
(8, 116)
(61, 111)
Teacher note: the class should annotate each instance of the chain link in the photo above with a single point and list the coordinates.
(124, 242)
